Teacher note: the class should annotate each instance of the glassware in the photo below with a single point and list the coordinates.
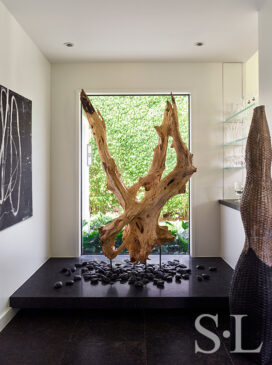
(238, 188)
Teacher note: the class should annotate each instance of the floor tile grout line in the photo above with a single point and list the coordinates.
(228, 354)
(224, 345)
(145, 343)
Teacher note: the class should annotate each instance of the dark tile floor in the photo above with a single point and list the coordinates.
(109, 337)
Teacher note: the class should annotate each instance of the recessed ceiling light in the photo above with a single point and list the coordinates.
(69, 44)
(199, 44)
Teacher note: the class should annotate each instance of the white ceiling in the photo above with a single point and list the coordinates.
(140, 30)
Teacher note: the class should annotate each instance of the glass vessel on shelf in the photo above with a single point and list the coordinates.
(238, 188)
(234, 157)
(236, 128)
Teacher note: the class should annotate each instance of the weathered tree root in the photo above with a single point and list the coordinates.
(140, 219)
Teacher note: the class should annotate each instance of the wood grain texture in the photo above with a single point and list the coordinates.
(140, 218)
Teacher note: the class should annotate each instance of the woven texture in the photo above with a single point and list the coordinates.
(251, 288)
(256, 203)
(251, 294)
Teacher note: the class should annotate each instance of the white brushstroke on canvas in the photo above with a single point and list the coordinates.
(10, 150)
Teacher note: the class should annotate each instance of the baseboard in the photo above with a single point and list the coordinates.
(6, 317)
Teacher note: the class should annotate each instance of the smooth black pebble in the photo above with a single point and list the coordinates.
(58, 285)
(160, 284)
(68, 273)
(212, 268)
(139, 284)
(69, 282)
(77, 277)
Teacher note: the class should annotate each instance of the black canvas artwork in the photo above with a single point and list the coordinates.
(15, 158)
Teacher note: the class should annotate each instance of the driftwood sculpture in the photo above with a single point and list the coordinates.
(251, 289)
(140, 218)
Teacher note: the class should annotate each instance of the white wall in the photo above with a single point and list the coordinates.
(251, 77)
(203, 81)
(25, 246)
(232, 235)
(240, 80)
(232, 95)
(232, 232)
(265, 58)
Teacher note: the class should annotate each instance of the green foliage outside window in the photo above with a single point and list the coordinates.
(131, 136)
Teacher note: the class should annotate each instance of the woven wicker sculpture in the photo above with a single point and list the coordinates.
(251, 290)
(140, 219)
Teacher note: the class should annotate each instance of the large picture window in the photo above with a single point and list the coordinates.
(130, 121)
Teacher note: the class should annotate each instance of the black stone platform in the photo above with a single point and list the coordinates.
(39, 291)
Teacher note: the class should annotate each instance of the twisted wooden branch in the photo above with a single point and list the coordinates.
(140, 219)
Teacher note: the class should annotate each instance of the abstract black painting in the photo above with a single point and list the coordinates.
(15, 158)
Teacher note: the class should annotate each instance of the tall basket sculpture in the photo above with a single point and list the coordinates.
(251, 288)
